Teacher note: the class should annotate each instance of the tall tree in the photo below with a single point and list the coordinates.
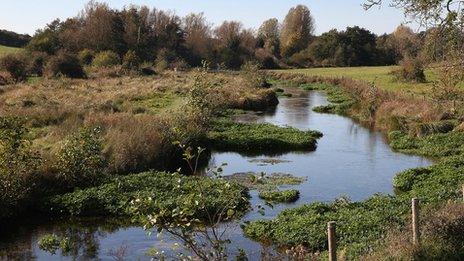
(197, 37)
(297, 30)
(269, 33)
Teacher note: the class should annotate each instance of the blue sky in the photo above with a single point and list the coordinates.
(25, 16)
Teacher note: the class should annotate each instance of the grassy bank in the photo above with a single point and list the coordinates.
(78, 133)
(363, 226)
(379, 75)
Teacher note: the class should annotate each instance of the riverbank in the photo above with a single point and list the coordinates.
(364, 225)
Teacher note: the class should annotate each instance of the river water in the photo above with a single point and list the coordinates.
(350, 161)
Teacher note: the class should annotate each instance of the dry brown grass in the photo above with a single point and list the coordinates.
(378, 108)
(140, 117)
(442, 238)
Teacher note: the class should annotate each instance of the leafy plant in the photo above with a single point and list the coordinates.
(105, 59)
(18, 166)
(251, 137)
(81, 162)
(286, 196)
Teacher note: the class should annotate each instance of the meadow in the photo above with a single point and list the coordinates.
(380, 76)
(5, 50)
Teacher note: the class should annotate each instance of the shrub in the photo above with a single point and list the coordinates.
(86, 56)
(105, 59)
(5, 78)
(411, 70)
(130, 61)
(37, 63)
(15, 65)
(253, 75)
(80, 161)
(163, 59)
(18, 166)
(64, 64)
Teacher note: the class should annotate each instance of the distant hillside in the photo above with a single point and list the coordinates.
(12, 39)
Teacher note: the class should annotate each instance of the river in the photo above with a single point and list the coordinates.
(350, 161)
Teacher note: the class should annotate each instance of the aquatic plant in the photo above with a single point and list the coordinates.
(264, 138)
(286, 196)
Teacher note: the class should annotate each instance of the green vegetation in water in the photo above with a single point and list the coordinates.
(358, 224)
(362, 226)
(340, 102)
(435, 145)
(285, 196)
(52, 243)
(263, 182)
(253, 137)
(268, 161)
(161, 192)
(281, 93)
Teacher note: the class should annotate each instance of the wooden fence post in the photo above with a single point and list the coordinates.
(463, 192)
(415, 222)
(332, 241)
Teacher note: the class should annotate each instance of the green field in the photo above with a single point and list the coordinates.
(4, 50)
(379, 75)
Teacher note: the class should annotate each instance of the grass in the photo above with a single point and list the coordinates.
(379, 75)
(260, 138)
(5, 50)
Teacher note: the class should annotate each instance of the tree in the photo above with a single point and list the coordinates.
(407, 42)
(269, 33)
(228, 35)
(47, 40)
(102, 29)
(297, 30)
(197, 37)
(167, 32)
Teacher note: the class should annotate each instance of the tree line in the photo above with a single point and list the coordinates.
(136, 36)
(12, 39)
(165, 38)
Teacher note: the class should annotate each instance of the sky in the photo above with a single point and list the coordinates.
(26, 16)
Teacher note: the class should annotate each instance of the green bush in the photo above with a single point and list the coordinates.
(64, 64)
(81, 162)
(18, 167)
(250, 137)
(15, 65)
(37, 63)
(105, 59)
(131, 61)
(411, 70)
(86, 56)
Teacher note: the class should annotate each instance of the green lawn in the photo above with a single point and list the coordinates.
(379, 75)
(4, 50)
